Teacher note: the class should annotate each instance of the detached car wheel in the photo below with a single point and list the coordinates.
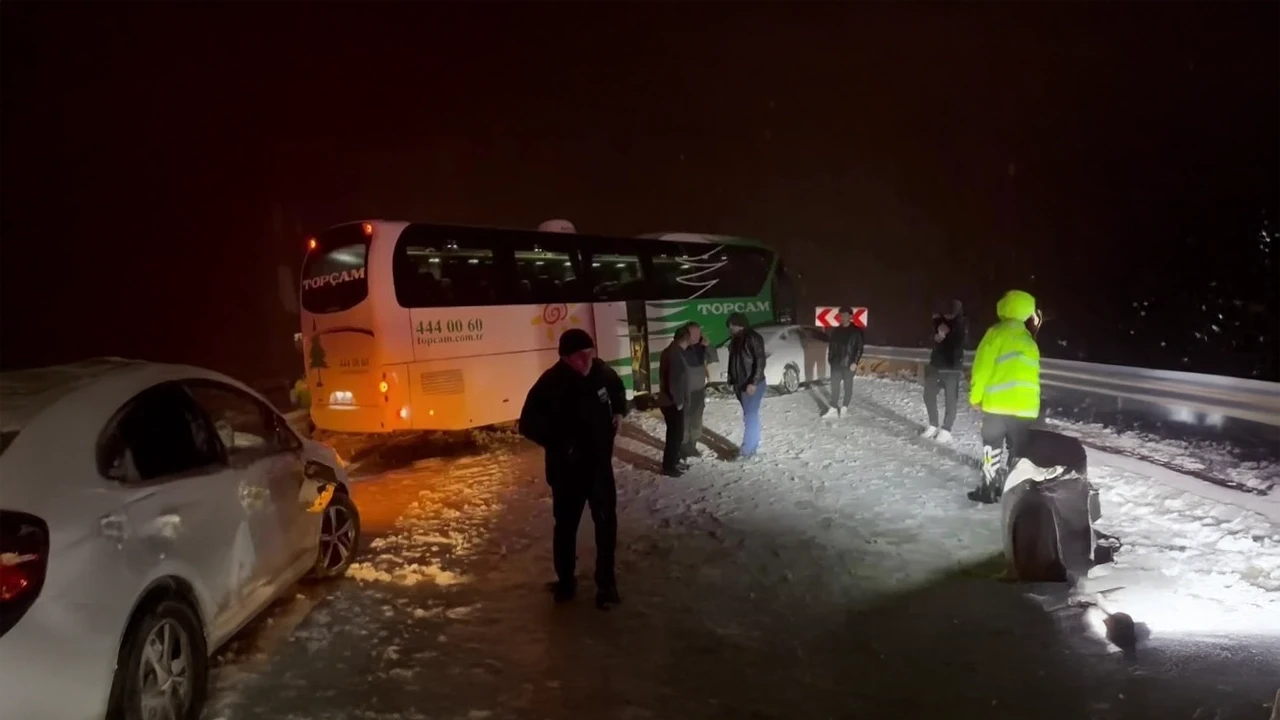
(1037, 557)
(163, 669)
(790, 379)
(339, 537)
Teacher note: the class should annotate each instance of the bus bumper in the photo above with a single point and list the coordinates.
(352, 419)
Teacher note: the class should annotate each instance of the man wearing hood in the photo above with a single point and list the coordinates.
(573, 412)
(946, 363)
(1006, 387)
(746, 377)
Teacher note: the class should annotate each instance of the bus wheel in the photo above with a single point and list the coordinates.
(791, 379)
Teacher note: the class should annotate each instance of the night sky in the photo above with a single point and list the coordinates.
(1121, 161)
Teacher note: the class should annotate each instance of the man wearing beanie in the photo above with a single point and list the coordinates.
(844, 351)
(572, 412)
(746, 377)
(946, 363)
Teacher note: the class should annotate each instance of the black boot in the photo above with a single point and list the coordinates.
(564, 591)
(985, 493)
(607, 595)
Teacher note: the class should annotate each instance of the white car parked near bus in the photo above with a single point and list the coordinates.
(147, 513)
(794, 354)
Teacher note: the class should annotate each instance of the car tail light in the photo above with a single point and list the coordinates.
(24, 559)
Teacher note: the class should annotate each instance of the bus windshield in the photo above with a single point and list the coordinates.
(333, 273)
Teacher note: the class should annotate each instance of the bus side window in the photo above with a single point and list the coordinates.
(679, 270)
(616, 276)
(548, 273)
(435, 269)
(741, 271)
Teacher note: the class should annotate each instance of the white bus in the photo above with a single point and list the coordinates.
(412, 326)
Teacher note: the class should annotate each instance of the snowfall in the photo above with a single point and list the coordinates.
(841, 573)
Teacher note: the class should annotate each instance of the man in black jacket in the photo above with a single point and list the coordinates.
(698, 355)
(573, 412)
(946, 365)
(673, 398)
(746, 377)
(844, 351)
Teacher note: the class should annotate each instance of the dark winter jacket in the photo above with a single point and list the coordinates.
(699, 357)
(571, 417)
(746, 360)
(948, 353)
(844, 346)
(673, 377)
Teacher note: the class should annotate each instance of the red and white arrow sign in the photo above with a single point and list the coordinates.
(828, 317)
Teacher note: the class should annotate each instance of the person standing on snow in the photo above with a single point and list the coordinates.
(573, 412)
(844, 351)
(946, 363)
(673, 398)
(1006, 387)
(698, 355)
(746, 377)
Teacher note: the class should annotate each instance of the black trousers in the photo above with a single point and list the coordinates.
(948, 381)
(567, 502)
(841, 375)
(693, 421)
(999, 431)
(675, 437)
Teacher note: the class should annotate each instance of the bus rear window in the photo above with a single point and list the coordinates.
(333, 274)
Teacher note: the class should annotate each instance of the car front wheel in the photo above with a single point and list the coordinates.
(339, 537)
(790, 379)
(163, 672)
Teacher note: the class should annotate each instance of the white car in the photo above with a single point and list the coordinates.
(147, 513)
(794, 355)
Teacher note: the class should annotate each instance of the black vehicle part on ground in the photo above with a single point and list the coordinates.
(1049, 516)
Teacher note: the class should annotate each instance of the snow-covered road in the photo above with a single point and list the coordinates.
(842, 573)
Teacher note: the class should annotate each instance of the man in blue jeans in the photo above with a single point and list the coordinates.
(746, 377)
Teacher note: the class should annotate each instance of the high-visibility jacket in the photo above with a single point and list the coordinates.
(1006, 368)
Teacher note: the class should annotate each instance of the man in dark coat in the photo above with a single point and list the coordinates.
(673, 398)
(573, 412)
(946, 365)
(746, 377)
(698, 355)
(844, 351)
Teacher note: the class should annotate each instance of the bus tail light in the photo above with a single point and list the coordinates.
(367, 228)
(311, 243)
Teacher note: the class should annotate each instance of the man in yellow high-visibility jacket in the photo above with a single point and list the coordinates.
(1006, 387)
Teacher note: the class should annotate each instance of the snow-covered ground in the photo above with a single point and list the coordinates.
(1190, 563)
(841, 573)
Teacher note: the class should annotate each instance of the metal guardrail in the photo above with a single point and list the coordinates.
(1240, 398)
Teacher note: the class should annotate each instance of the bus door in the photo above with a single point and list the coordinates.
(638, 337)
(617, 291)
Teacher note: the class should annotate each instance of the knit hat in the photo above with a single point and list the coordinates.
(739, 320)
(846, 310)
(574, 340)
